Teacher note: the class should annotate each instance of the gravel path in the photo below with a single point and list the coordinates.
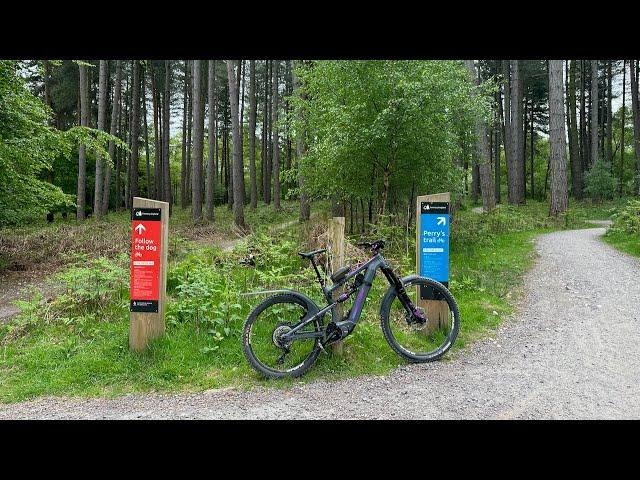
(573, 351)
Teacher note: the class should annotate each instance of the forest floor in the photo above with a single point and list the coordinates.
(561, 355)
(30, 257)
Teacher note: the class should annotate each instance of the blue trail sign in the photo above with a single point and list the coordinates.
(434, 244)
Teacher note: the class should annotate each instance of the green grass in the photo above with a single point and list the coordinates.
(625, 242)
(78, 345)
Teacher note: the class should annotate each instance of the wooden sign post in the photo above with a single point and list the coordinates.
(149, 253)
(432, 254)
(336, 245)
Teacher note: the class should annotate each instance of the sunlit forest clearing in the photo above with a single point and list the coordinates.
(254, 156)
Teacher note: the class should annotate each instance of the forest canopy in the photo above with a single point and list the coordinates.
(368, 135)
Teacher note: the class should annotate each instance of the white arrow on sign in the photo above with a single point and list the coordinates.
(442, 221)
(140, 228)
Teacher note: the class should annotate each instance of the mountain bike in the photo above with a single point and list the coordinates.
(285, 333)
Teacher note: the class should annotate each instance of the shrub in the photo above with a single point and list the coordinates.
(627, 220)
(600, 183)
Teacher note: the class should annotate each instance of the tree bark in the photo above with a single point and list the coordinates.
(276, 141)
(252, 135)
(115, 116)
(557, 146)
(157, 137)
(212, 140)
(198, 141)
(150, 183)
(301, 147)
(584, 148)
(135, 133)
(241, 84)
(166, 168)
(622, 125)
(594, 113)
(609, 116)
(238, 205)
(102, 114)
(574, 153)
(185, 127)
(483, 150)
(82, 156)
(635, 109)
(515, 177)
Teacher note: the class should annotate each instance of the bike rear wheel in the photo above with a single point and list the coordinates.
(263, 346)
(420, 342)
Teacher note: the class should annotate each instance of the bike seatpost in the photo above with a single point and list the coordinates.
(315, 267)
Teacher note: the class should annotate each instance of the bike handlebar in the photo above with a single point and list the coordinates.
(375, 246)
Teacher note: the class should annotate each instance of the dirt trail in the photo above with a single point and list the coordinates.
(572, 351)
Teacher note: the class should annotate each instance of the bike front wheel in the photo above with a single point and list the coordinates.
(262, 342)
(420, 341)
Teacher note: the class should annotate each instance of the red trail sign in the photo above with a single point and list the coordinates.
(145, 259)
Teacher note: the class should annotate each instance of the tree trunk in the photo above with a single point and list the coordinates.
(499, 126)
(584, 148)
(82, 155)
(483, 150)
(252, 135)
(635, 109)
(514, 178)
(266, 192)
(127, 158)
(187, 182)
(166, 170)
(241, 84)
(305, 207)
(268, 142)
(574, 153)
(102, 114)
(198, 141)
(238, 205)
(150, 190)
(532, 153)
(609, 117)
(185, 128)
(115, 116)
(622, 125)
(212, 140)
(134, 163)
(557, 146)
(594, 113)
(276, 141)
(157, 137)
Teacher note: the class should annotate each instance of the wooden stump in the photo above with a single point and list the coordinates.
(143, 326)
(336, 246)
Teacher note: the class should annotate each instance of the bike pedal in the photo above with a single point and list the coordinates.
(322, 348)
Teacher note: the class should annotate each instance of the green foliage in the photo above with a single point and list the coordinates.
(600, 184)
(365, 119)
(28, 148)
(27, 145)
(627, 219)
(93, 284)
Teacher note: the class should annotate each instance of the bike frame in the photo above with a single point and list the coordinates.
(346, 326)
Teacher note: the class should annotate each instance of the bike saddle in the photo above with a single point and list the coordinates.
(312, 254)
